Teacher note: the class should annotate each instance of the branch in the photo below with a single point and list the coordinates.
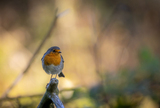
(51, 96)
(19, 97)
(36, 52)
(34, 95)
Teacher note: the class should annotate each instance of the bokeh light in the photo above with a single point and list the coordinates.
(110, 49)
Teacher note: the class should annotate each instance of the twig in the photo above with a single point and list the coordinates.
(35, 95)
(122, 52)
(19, 97)
(36, 52)
(32, 59)
(51, 95)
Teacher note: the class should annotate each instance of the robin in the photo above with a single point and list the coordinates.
(52, 62)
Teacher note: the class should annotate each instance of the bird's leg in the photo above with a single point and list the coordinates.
(56, 75)
(51, 76)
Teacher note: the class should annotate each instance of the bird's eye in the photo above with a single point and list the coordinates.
(54, 50)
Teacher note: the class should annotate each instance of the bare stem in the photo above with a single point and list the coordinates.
(33, 57)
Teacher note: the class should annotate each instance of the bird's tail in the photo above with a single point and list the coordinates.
(61, 75)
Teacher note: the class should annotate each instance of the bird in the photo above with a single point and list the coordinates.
(52, 62)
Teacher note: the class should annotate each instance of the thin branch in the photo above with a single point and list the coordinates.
(35, 95)
(35, 54)
(99, 36)
(18, 97)
(123, 51)
(68, 89)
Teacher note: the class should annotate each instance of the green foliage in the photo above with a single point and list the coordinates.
(127, 88)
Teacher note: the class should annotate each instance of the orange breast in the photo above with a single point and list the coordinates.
(52, 58)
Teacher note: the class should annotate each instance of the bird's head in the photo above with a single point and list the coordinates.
(54, 50)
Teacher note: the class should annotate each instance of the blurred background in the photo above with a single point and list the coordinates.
(111, 51)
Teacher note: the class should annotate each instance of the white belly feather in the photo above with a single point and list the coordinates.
(51, 69)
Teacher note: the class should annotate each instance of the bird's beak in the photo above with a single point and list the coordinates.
(60, 52)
